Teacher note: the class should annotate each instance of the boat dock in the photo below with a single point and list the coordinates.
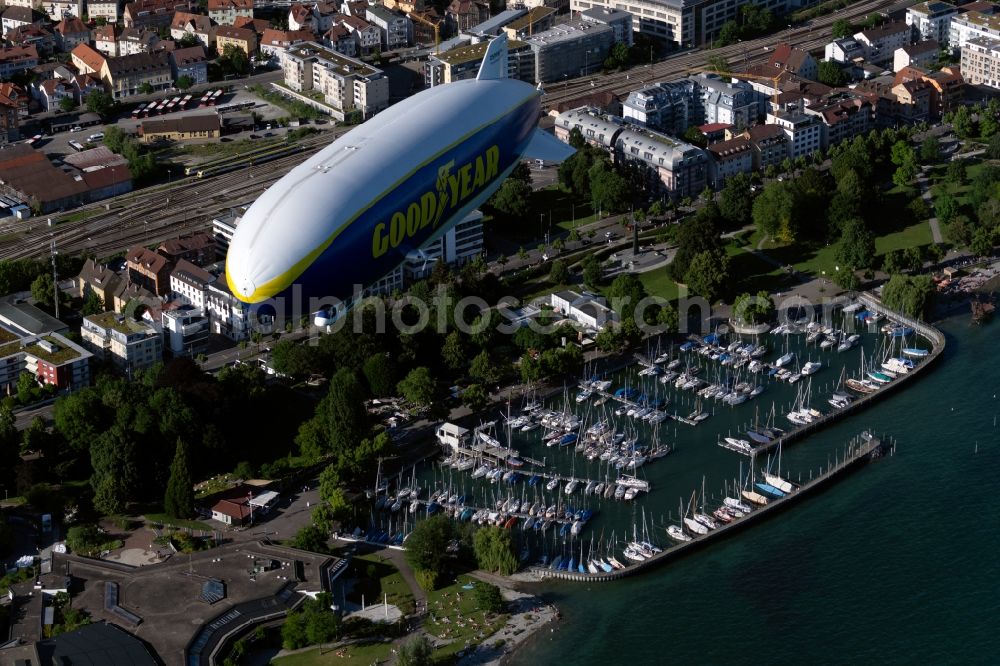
(865, 448)
(931, 334)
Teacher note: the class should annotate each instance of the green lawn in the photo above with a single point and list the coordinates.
(351, 655)
(913, 236)
(658, 283)
(164, 519)
(453, 615)
(559, 207)
(377, 578)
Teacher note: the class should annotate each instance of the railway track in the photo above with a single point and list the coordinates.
(809, 36)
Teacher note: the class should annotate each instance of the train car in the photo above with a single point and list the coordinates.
(137, 111)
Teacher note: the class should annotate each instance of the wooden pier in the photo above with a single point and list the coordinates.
(867, 447)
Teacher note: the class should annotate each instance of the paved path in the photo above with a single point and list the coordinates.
(925, 194)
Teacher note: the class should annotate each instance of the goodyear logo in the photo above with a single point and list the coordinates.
(453, 188)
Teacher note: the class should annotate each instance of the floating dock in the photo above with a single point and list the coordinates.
(861, 450)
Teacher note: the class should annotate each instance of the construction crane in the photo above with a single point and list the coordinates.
(436, 26)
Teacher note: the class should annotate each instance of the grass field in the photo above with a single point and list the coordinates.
(378, 580)
(351, 655)
(915, 235)
(658, 283)
(164, 519)
(453, 616)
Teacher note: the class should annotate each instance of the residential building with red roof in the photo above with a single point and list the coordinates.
(225, 12)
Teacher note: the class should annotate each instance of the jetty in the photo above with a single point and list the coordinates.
(864, 448)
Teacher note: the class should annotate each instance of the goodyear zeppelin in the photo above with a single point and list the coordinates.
(455, 186)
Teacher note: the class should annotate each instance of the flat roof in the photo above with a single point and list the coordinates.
(472, 53)
(121, 323)
(264, 498)
(534, 16)
(28, 319)
(98, 644)
(63, 353)
(342, 64)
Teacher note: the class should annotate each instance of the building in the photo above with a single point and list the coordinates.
(719, 101)
(225, 12)
(587, 310)
(920, 54)
(463, 63)
(137, 40)
(665, 107)
(197, 25)
(27, 175)
(148, 269)
(106, 40)
(190, 62)
(728, 158)
(70, 32)
(347, 84)
(185, 330)
(769, 144)
(153, 13)
(973, 25)
(458, 246)
(845, 50)
(97, 279)
(981, 62)
(231, 512)
(10, 120)
(127, 75)
(127, 343)
(23, 320)
(571, 49)
(16, 17)
(494, 25)
(16, 59)
(49, 357)
(340, 39)
(200, 127)
(675, 167)
(947, 83)
(368, 36)
(395, 30)
(198, 248)
(462, 15)
(52, 92)
(787, 58)
(803, 131)
(931, 21)
(243, 39)
(881, 43)
(619, 20)
(538, 19)
(845, 115)
(109, 10)
(61, 9)
(598, 130)
(274, 42)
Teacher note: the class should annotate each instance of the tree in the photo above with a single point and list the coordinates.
(145, 88)
(608, 189)
(592, 271)
(293, 631)
(380, 373)
(829, 73)
(729, 33)
(475, 398)
(559, 273)
(494, 550)
(67, 104)
(773, 211)
(857, 245)
(841, 28)
(418, 386)
(292, 359)
(989, 214)
(945, 207)
(625, 293)
(488, 597)
(753, 308)
(955, 172)
(342, 421)
(236, 58)
(930, 149)
(847, 280)
(454, 351)
(83, 539)
(707, 274)
(911, 295)
(982, 242)
(184, 81)
(415, 651)
(988, 126)
(617, 57)
(993, 147)
(426, 548)
(312, 538)
(484, 368)
(10, 444)
(694, 136)
(99, 102)
(959, 232)
(92, 304)
(961, 122)
(179, 499)
(513, 198)
(43, 290)
(736, 200)
(904, 174)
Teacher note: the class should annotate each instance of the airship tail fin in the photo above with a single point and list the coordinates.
(495, 61)
(544, 146)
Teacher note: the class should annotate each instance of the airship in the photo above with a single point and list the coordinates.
(352, 212)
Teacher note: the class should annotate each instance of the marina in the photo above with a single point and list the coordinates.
(589, 476)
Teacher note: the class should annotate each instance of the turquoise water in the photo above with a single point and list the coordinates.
(896, 562)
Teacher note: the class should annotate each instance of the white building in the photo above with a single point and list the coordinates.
(972, 25)
(981, 62)
(915, 55)
(881, 43)
(189, 284)
(730, 102)
(587, 310)
(395, 30)
(728, 158)
(619, 20)
(844, 50)
(931, 20)
(804, 132)
(456, 247)
(185, 330)
(452, 436)
(346, 84)
(130, 345)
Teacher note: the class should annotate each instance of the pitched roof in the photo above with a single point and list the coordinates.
(185, 244)
(22, 14)
(788, 57)
(189, 56)
(200, 22)
(90, 56)
(874, 34)
(239, 511)
(255, 24)
(137, 63)
(928, 46)
(713, 127)
(273, 37)
(153, 262)
(106, 33)
(27, 170)
(221, 5)
(99, 274)
(231, 32)
(759, 133)
(50, 86)
(724, 150)
(71, 26)
(16, 53)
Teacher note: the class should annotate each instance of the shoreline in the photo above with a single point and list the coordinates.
(529, 614)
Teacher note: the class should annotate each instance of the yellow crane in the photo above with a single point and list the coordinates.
(436, 26)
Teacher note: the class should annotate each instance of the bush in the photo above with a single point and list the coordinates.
(488, 598)
(427, 579)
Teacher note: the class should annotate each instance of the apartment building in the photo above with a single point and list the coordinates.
(127, 343)
(346, 84)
